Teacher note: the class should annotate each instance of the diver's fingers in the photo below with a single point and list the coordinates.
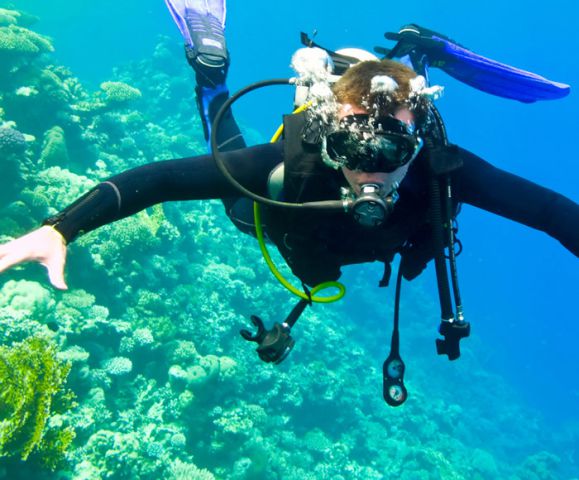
(55, 267)
(54, 258)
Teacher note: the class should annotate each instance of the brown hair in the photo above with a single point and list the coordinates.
(355, 87)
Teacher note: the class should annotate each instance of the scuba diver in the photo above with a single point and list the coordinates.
(364, 172)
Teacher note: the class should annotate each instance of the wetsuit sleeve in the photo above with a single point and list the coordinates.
(194, 178)
(481, 184)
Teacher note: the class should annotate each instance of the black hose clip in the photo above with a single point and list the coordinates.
(273, 345)
(453, 332)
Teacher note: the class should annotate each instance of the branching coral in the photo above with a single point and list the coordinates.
(154, 219)
(54, 151)
(11, 141)
(32, 395)
(8, 17)
(60, 186)
(189, 471)
(77, 313)
(119, 93)
(118, 366)
(53, 92)
(15, 17)
(20, 303)
(17, 41)
(12, 146)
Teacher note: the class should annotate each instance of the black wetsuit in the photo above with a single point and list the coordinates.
(476, 183)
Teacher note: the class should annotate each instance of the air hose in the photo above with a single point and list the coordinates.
(330, 205)
(276, 273)
(324, 205)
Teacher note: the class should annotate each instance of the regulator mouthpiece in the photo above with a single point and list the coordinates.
(371, 209)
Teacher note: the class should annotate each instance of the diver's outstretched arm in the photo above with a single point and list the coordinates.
(483, 185)
(194, 178)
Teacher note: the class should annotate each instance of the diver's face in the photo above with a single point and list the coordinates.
(384, 180)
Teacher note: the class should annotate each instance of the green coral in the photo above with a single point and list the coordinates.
(21, 302)
(188, 471)
(25, 296)
(61, 187)
(153, 220)
(14, 17)
(32, 400)
(15, 41)
(54, 151)
(119, 93)
(77, 312)
(8, 17)
(52, 88)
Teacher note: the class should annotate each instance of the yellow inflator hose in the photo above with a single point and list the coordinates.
(259, 232)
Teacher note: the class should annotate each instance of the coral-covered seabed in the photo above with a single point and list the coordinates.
(139, 372)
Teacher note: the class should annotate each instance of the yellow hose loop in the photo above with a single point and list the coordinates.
(318, 288)
(259, 231)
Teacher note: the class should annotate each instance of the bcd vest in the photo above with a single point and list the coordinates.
(315, 244)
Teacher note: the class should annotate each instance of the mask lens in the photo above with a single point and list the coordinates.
(372, 145)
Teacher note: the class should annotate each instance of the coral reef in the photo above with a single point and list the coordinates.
(11, 141)
(54, 151)
(8, 17)
(189, 471)
(18, 42)
(118, 94)
(148, 334)
(21, 302)
(12, 145)
(33, 401)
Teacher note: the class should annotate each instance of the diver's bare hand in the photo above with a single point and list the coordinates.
(45, 246)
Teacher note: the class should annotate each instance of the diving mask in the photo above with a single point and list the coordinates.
(372, 144)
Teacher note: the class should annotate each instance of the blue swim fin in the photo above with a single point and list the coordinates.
(201, 25)
(427, 48)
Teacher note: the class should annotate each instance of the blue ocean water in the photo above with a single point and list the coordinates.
(520, 287)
